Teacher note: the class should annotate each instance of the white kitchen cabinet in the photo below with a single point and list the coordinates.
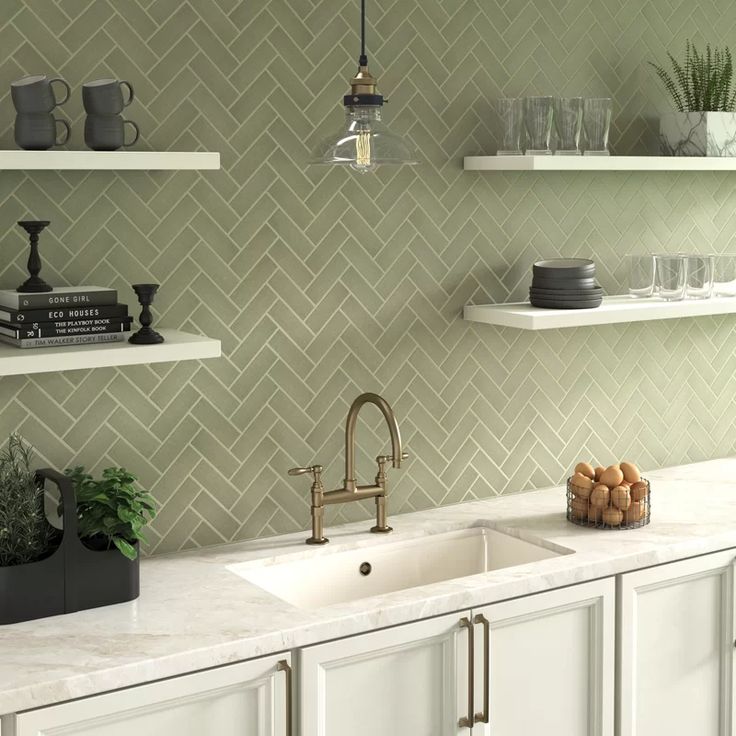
(250, 698)
(411, 680)
(551, 660)
(676, 640)
(545, 661)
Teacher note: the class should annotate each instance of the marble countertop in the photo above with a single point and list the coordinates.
(195, 613)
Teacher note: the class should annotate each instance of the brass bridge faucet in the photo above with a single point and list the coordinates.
(351, 491)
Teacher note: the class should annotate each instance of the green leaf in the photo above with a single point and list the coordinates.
(125, 548)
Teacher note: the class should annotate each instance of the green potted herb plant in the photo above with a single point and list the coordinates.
(31, 558)
(703, 92)
(111, 515)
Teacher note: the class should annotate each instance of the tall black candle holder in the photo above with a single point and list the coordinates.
(34, 284)
(146, 335)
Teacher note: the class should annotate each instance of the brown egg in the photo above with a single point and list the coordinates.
(585, 469)
(581, 483)
(612, 476)
(639, 490)
(625, 484)
(595, 513)
(635, 512)
(600, 496)
(612, 516)
(631, 472)
(579, 508)
(620, 497)
(598, 472)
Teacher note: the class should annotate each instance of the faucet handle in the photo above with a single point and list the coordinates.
(315, 470)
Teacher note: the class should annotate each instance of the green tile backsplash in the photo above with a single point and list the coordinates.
(322, 283)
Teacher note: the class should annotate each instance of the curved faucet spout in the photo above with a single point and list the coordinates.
(393, 428)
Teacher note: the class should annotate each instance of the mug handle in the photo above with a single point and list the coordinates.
(66, 85)
(137, 133)
(68, 132)
(131, 94)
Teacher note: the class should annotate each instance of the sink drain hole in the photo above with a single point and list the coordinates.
(365, 568)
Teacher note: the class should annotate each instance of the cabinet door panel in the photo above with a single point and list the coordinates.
(552, 658)
(410, 680)
(247, 698)
(676, 648)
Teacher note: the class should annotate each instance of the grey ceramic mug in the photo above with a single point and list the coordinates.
(107, 132)
(105, 96)
(35, 94)
(38, 131)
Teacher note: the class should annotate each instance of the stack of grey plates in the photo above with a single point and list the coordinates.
(565, 283)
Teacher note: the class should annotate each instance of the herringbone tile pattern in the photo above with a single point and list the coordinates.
(322, 284)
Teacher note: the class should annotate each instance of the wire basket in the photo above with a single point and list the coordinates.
(599, 511)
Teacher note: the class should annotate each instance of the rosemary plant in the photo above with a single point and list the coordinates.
(25, 533)
(702, 82)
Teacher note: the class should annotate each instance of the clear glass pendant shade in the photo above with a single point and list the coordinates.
(364, 142)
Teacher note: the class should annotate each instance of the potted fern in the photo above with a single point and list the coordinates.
(702, 89)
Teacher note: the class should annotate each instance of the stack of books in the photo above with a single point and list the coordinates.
(68, 315)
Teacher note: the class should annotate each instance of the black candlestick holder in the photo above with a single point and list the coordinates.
(146, 335)
(34, 284)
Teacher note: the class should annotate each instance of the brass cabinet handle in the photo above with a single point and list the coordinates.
(467, 721)
(484, 715)
(285, 667)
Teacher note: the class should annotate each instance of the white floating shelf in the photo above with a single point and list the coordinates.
(615, 309)
(177, 346)
(108, 160)
(599, 163)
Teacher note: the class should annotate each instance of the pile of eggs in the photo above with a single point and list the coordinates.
(613, 496)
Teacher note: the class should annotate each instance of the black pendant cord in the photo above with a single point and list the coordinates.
(363, 58)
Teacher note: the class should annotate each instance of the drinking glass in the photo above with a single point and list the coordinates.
(538, 112)
(699, 277)
(511, 112)
(568, 118)
(641, 275)
(671, 276)
(597, 124)
(724, 275)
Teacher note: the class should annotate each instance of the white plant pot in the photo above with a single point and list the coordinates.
(698, 134)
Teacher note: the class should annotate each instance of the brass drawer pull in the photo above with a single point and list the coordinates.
(467, 721)
(484, 715)
(285, 667)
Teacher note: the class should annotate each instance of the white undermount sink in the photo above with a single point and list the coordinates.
(338, 577)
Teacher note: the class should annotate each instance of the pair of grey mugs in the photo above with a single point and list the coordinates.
(36, 129)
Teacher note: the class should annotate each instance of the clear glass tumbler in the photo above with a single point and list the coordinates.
(671, 276)
(597, 124)
(724, 274)
(699, 277)
(538, 113)
(568, 124)
(511, 112)
(641, 275)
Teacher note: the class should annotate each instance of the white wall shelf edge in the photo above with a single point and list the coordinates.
(599, 163)
(177, 346)
(109, 160)
(614, 310)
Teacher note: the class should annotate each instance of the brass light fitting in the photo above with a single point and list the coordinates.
(364, 141)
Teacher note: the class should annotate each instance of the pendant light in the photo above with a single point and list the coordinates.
(364, 141)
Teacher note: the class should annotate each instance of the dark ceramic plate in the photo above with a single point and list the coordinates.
(564, 268)
(538, 282)
(564, 296)
(545, 304)
(596, 291)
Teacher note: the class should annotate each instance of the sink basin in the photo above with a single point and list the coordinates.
(338, 577)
